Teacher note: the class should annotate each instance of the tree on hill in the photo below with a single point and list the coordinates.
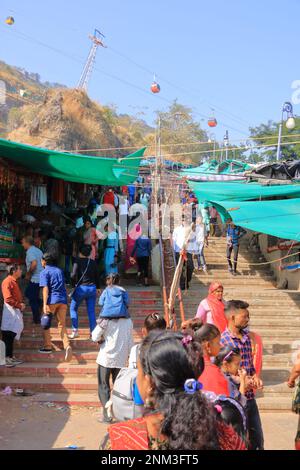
(180, 135)
(266, 136)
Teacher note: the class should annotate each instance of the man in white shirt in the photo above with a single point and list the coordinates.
(34, 268)
(123, 216)
(198, 240)
(178, 239)
(117, 341)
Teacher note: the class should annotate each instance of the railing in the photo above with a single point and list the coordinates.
(179, 294)
(164, 287)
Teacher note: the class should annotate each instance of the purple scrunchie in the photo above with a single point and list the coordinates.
(187, 340)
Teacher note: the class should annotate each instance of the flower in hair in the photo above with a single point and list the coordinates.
(219, 408)
(192, 386)
(187, 340)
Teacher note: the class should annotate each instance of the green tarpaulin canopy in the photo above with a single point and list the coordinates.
(278, 218)
(228, 167)
(223, 191)
(72, 167)
(204, 168)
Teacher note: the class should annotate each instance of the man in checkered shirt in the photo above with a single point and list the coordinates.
(236, 336)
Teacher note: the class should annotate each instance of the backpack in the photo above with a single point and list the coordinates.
(123, 405)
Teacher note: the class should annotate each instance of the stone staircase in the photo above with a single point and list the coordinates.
(275, 315)
(75, 383)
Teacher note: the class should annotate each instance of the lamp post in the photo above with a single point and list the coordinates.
(226, 144)
(290, 124)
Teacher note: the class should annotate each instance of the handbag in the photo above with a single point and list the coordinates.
(296, 399)
(72, 291)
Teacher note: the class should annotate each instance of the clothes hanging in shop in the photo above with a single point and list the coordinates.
(58, 192)
(38, 195)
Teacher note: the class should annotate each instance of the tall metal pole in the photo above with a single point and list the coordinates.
(226, 143)
(279, 139)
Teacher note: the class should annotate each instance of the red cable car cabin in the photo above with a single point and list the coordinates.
(212, 122)
(155, 88)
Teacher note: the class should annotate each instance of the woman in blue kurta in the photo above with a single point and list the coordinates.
(111, 252)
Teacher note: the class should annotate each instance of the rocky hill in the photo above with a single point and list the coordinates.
(20, 88)
(53, 116)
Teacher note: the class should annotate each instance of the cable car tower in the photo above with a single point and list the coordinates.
(97, 40)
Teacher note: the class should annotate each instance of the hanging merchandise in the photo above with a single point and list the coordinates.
(6, 235)
(38, 195)
(58, 192)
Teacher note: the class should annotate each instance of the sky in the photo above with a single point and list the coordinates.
(238, 57)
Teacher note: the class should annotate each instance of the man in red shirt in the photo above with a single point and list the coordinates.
(109, 197)
(12, 319)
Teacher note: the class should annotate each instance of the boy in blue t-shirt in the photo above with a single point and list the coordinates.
(54, 303)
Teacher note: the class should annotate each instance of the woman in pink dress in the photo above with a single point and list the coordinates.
(132, 236)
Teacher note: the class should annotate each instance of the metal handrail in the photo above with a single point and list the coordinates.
(179, 293)
(164, 287)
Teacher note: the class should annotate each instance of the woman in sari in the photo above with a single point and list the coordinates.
(179, 416)
(211, 309)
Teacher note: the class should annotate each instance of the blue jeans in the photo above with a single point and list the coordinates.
(201, 258)
(68, 259)
(89, 294)
(256, 437)
(32, 293)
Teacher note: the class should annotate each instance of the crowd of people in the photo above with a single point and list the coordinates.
(196, 387)
(79, 255)
(193, 389)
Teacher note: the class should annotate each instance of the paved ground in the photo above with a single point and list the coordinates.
(25, 424)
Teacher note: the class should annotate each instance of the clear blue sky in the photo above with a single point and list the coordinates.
(237, 55)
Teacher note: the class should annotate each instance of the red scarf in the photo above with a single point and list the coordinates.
(129, 435)
(133, 435)
(217, 310)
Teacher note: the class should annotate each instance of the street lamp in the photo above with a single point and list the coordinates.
(226, 144)
(290, 124)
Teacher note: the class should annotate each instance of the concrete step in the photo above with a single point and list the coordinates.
(193, 296)
(80, 343)
(258, 313)
(275, 361)
(278, 334)
(83, 357)
(46, 369)
(279, 346)
(274, 389)
(217, 273)
(275, 374)
(240, 281)
(52, 384)
(226, 276)
(274, 404)
(84, 332)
